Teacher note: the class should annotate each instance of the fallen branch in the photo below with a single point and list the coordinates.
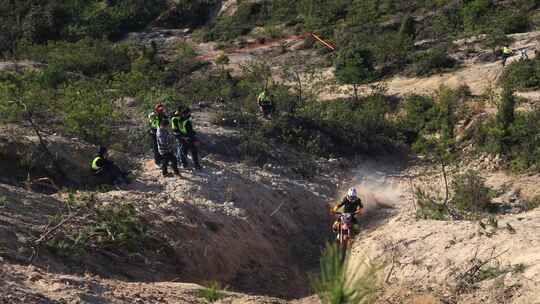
(279, 207)
(387, 280)
(48, 234)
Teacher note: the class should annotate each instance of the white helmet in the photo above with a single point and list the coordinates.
(351, 194)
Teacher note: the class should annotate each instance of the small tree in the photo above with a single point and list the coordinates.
(448, 100)
(470, 192)
(337, 284)
(354, 66)
(407, 29)
(506, 116)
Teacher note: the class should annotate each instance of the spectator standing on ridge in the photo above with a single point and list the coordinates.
(165, 148)
(506, 53)
(154, 120)
(183, 129)
(264, 100)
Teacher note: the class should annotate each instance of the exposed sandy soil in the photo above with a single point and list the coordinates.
(260, 230)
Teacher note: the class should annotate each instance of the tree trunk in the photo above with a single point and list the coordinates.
(299, 96)
(446, 194)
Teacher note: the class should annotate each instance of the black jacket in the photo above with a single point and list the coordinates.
(350, 206)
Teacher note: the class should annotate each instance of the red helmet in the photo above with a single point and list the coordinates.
(159, 108)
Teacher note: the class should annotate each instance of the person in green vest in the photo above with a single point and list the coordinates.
(107, 170)
(154, 120)
(506, 53)
(186, 137)
(264, 100)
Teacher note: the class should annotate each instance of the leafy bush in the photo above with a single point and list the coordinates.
(470, 193)
(429, 207)
(212, 293)
(521, 75)
(435, 60)
(426, 119)
(43, 21)
(515, 135)
(421, 115)
(114, 227)
(241, 23)
(355, 66)
(88, 57)
(475, 13)
(88, 111)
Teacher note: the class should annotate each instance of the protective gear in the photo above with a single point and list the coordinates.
(351, 194)
(94, 163)
(154, 120)
(159, 108)
(175, 123)
(183, 127)
(107, 171)
(264, 99)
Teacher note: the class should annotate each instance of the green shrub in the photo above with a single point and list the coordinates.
(512, 21)
(337, 284)
(421, 112)
(429, 207)
(523, 142)
(230, 27)
(88, 111)
(532, 204)
(212, 293)
(355, 66)
(496, 38)
(435, 60)
(475, 14)
(42, 21)
(521, 75)
(515, 135)
(115, 228)
(470, 193)
(87, 56)
(254, 147)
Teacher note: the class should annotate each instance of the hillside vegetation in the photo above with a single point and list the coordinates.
(78, 74)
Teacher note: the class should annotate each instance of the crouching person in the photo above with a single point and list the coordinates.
(165, 143)
(106, 170)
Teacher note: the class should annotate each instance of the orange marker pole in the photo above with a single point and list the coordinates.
(328, 45)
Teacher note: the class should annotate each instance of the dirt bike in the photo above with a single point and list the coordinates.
(344, 231)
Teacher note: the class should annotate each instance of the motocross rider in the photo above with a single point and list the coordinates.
(352, 204)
